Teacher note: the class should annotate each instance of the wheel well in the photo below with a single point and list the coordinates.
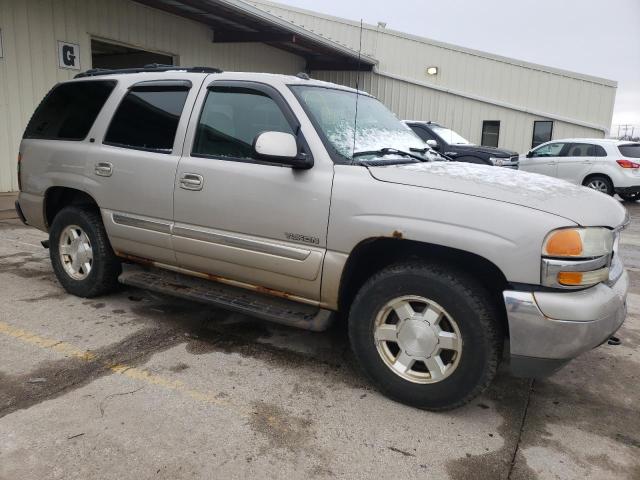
(371, 256)
(56, 198)
(591, 175)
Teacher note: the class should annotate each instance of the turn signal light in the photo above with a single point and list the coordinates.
(583, 279)
(628, 164)
(564, 243)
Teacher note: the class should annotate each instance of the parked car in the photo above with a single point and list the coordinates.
(458, 148)
(607, 165)
(256, 193)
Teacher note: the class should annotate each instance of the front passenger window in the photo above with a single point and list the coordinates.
(231, 119)
(551, 150)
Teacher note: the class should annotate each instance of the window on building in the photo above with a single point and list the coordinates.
(542, 131)
(490, 133)
(69, 110)
(231, 119)
(148, 117)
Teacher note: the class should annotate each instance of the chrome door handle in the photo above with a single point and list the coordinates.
(191, 181)
(104, 169)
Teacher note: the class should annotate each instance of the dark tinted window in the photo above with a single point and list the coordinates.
(147, 118)
(490, 133)
(600, 151)
(231, 119)
(423, 133)
(631, 150)
(69, 110)
(581, 150)
(542, 131)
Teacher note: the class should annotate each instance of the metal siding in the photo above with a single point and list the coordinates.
(31, 29)
(528, 86)
(414, 102)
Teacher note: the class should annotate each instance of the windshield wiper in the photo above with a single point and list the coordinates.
(389, 151)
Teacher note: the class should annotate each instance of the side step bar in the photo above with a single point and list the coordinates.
(273, 309)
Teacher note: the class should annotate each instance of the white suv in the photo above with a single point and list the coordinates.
(608, 165)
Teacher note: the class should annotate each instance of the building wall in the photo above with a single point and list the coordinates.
(414, 102)
(31, 29)
(524, 90)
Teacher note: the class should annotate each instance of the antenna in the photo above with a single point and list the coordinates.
(355, 120)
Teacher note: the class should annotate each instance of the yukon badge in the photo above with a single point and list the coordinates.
(297, 237)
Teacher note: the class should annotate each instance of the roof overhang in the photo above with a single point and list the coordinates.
(235, 21)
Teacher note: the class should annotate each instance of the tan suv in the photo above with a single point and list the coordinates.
(265, 194)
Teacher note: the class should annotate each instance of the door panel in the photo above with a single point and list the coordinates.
(254, 222)
(544, 159)
(577, 163)
(133, 165)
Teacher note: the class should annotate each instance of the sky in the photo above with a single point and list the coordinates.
(595, 37)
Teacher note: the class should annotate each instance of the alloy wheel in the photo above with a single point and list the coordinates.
(417, 339)
(76, 253)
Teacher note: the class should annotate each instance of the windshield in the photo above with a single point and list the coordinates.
(334, 112)
(449, 136)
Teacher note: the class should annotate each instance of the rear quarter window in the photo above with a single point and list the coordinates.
(631, 150)
(69, 110)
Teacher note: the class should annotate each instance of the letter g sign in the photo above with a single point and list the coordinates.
(68, 55)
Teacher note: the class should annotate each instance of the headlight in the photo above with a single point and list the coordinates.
(578, 243)
(577, 257)
(497, 161)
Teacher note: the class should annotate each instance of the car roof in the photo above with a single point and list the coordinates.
(597, 141)
(269, 78)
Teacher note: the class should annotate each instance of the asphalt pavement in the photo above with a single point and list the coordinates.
(137, 385)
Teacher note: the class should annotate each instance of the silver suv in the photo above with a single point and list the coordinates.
(265, 194)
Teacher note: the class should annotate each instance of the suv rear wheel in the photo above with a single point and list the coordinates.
(599, 183)
(81, 254)
(426, 335)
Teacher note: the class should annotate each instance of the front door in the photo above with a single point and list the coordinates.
(577, 163)
(243, 219)
(544, 159)
(132, 168)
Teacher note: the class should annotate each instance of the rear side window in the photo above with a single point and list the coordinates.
(69, 110)
(631, 150)
(148, 117)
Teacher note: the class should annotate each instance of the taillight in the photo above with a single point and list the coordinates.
(628, 164)
(19, 165)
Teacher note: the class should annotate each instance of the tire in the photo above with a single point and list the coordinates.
(78, 233)
(466, 309)
(630, 197)
(600, 183)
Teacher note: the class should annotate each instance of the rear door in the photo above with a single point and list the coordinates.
(544, 159)
(578, 161)
(238, 217)
(133, 163)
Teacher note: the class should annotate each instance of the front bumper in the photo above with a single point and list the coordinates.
(547, 329)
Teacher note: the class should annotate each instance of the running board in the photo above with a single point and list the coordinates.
(273, 309)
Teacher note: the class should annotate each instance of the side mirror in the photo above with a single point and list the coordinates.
(280, 147)
(433, 144)
(529, 154)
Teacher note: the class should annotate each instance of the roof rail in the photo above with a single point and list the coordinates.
(152, 67)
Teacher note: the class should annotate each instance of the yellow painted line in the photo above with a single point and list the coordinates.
(128, 371)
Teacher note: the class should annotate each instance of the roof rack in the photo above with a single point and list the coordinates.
(152, 67)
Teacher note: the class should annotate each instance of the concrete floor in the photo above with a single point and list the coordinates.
(136, 385)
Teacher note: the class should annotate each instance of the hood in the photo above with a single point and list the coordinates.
(491, 151)
(581, 205)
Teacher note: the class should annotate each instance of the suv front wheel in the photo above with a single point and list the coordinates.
(426, 335)
(81, 254)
